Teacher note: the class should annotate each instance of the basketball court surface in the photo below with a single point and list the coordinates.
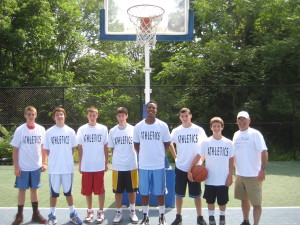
(270, 216)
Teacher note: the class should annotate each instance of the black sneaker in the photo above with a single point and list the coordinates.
(162, 220)
(222, 220)
(201, 221)
(38, 218)
(178, 220)
(145, 221)
(211, 220)
(245, 222)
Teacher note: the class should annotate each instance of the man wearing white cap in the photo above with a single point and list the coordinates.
(250, 163)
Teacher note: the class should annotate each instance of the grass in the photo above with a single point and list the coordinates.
(281, 188)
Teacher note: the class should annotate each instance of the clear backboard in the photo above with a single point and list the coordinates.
(177, 23)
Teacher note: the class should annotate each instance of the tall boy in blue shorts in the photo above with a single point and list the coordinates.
(187, 137)
(27, 157)
(93, 161)
(60, 143)
(219, 161)
(124, 164)
(151, 138)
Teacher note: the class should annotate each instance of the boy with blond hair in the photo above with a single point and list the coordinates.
(27, 157)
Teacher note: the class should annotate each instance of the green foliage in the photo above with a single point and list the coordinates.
(5, 139)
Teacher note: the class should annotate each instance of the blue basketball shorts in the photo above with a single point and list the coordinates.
(152, 182)
(28, 179)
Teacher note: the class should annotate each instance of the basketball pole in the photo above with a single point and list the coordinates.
(147, 71)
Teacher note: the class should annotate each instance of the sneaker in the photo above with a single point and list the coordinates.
(211, 220)
(178, 220)
(38, 218)
(75, 219)
(162, 220)
(89, 217)
(222, 220)
(51, 219)
(245, 222)
(18, 219)
(133, 217)
(145, 221)
(201, 221)
(100, 217)
(118, 218)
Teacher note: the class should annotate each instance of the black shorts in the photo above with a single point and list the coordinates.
(181, 180)
(125, 180)
(211, 193)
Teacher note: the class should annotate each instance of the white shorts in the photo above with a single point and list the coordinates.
(55, 180)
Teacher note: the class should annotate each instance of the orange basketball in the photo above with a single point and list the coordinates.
(199, 173)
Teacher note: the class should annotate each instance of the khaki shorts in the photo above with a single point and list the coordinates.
(248, 188)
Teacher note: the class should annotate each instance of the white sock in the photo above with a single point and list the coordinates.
(222, 213)
(72, 208)
(146, 209)
(119, 210)
(90, 210)
(132, 207)
(211, 212)
(53, 210)
(161, 209)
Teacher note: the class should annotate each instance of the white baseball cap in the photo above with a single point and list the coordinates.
(243, 114)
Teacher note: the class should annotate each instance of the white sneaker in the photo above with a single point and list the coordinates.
(100, 217)
(118, 218)
(89, 217)
(133, 217)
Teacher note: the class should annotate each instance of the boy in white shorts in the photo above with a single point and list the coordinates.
(219, 161)
(27, 157)
(60, 143)
(151, 139)
(124, 164)
(187, 137)
(93, 159)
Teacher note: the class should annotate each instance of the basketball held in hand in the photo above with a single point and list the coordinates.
(199, 173)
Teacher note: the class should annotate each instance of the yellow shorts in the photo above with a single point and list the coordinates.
(125, 180)
(248, 188)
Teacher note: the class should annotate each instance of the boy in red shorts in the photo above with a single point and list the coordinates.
(93, 159)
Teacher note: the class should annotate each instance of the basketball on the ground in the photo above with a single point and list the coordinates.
(199, 173)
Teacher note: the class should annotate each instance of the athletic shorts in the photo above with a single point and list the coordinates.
(28, 179)
(125, 180)
(211, 193)
(181, 181)
(248, 188)
(152, 181)
(92, 182)
(57, 180)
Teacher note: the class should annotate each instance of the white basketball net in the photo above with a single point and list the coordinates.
(146, 19)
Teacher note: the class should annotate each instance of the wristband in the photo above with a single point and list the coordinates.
(263, 167)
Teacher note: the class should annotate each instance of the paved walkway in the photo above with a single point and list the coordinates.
(271, 216)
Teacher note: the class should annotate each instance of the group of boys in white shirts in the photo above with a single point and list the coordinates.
(147, 140)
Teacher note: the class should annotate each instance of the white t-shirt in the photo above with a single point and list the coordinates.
(92, 139)
(151, 138)
(29, 143)
(187, 140)
(217, 155)
(59, 141)
(124, 156)
(248, 146)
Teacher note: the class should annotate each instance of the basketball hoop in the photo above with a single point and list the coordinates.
(145, 19)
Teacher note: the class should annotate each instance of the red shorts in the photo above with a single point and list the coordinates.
(92, 182)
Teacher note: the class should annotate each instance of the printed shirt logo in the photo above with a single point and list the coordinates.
(32, 140)
(217, 151)
(123, 140)
(57, 140)
(150, 135)
(92, 138)
(188, 138)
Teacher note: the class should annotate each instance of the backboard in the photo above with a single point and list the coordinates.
(177, 23)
